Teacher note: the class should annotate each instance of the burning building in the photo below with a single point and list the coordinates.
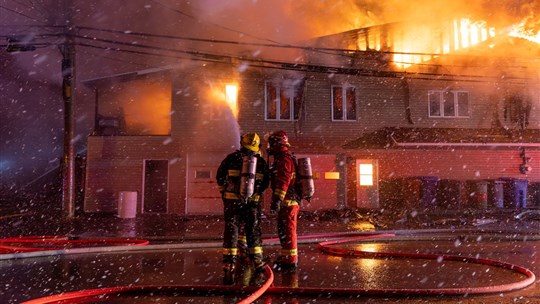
(396, 115)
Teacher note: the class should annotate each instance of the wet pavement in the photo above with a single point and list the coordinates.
(186, 251)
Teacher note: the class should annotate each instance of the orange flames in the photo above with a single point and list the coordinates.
(224, 95)
(450, 37)
(526, 30)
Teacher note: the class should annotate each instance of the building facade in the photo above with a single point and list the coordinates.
(379, 136)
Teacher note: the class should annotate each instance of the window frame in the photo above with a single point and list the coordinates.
(344, 102)
(443, 106)
(294, 102)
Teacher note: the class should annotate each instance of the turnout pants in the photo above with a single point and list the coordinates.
(238, 213)
(287, 223)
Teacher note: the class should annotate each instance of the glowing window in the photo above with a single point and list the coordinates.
(343, 103)
(136, 107)
(366, 175)
(283, 101)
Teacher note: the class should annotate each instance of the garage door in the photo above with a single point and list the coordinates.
(203, 195)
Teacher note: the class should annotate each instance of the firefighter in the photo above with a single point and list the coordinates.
(242, 208)
(285, 201)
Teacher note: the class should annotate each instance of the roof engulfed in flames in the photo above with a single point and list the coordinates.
(528, 28)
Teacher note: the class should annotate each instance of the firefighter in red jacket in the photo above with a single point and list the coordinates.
(240, 210)
(285, 201)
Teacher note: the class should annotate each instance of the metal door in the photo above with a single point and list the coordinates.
(156, 186)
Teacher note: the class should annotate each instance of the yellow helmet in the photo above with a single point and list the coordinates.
(251, 141)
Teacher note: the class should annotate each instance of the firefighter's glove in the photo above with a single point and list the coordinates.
(275, 205)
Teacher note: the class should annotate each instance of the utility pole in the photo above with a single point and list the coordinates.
(67, 49)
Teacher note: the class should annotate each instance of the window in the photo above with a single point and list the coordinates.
(203, 174)
(366, 174)
(448, 103)
(283, 101)
(343, 103)
(135, 107)
(516, 110)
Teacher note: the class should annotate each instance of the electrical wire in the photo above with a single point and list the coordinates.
(212, 57)
(350, 53)
(214, 24)
(288, 66)
(19, 13)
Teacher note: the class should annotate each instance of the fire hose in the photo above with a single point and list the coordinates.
(327, 247)
(55, 242)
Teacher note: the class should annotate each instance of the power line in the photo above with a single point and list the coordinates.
(276, 43)
(216, 41)
(19, 13)
(231, 57)
(349, 53)
(224, 59)
(214, 24)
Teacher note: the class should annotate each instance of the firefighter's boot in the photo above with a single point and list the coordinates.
(286, 263)
(229, 271)
(259, 275)
(229, 268)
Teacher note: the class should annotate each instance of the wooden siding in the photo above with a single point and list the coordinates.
(452, 164)
(381, 101)
(116, 164)
(315, 131)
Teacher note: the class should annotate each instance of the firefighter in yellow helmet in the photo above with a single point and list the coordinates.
(242, 177)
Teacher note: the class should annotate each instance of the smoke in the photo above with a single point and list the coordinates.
(290, 21)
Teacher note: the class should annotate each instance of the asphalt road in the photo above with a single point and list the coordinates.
(28, 276)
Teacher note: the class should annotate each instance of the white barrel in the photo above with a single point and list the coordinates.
(247, 176)
(127, 204)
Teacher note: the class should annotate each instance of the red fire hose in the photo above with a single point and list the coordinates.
(55, 242)
(98, 294)
(327, 247)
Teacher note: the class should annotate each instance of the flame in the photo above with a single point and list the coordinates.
(462, 33)
(231, 97)
(224, 95)
(525, 30)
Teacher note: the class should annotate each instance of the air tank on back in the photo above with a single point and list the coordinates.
(247, 176)
(305, 176)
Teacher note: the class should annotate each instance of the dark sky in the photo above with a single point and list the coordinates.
(31, 117)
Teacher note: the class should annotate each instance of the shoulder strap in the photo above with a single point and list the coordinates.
(295, 161)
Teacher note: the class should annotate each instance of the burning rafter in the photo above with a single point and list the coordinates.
(413, 43)
(527, 29)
